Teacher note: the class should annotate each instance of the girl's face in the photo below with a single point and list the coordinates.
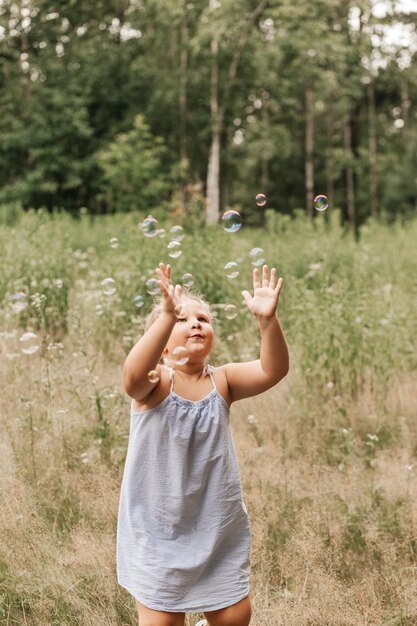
(192, 330)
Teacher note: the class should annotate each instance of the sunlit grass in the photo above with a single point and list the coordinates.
(328, 458)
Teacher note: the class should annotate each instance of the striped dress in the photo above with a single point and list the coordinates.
(183, 534)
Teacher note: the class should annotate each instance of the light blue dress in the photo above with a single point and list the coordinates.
(183, 535)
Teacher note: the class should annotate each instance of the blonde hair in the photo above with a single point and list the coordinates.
(185, 295)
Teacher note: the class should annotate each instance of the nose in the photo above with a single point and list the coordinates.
(195, 323)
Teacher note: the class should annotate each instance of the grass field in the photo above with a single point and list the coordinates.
(328, 458)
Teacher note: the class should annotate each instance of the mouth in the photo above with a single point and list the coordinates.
(197, 336)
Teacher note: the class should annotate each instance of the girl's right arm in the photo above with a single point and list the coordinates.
(146, 353)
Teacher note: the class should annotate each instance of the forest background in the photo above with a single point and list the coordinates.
(111, 111)
(127, 105)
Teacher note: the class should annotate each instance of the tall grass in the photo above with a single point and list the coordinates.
(328, 458)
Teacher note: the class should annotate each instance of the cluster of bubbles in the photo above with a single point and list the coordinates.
(232, 220)
(232, 223)
(150, 228)
(179, 356)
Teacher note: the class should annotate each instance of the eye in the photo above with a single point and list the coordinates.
(181, 319)
(202, 319)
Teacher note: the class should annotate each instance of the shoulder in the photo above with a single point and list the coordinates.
(220, 378)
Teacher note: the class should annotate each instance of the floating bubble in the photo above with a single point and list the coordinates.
(257, 257)
(149, 226)
(19, 302)
(161, 233)
(152, 286)
(153, 376)
(29, 343)
(108, 286)
(59, 283)
(99, 309)
(188, 280)
(114, 243)
(180, 355)
(230, 311)
(232, 221)
(177, 233)
(260, 199)
(174, 249)
(320, 203)
(139, 301)
(231, 269)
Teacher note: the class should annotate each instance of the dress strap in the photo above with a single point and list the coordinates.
(170, 371)
(210, 370)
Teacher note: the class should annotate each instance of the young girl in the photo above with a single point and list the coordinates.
(183, 537)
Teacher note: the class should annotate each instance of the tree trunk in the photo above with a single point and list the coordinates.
(373, 176)
(218, 112)
(213, 170)
(183, 104)
(350, 186)
(265, 148)
(405, 106)
(329, 157)
(309, 148)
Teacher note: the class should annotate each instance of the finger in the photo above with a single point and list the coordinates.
(177, 291)
(265, 272)
(273, 279)
(168, 271)
(164, 287)
(247, 296)
(256, 282)
(279, 286)
(162, 277)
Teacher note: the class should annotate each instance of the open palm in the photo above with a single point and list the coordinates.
(264, 301)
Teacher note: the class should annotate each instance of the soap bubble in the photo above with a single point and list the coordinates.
(108, 286)
(257, 257)
(99, 309)
(260, 199)
(177, 233)
(153, 376)
(29, 343)
(321, 203)
(232, 269)
(149, 226)
(188, 280)
(180, 355)
(152, 286)
(19, 302)
(230, 311)
(114, 243)
(174, 249)
(139, 301)
(161, 233)
(232, 221)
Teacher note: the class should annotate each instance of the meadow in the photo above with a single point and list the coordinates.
(328, 458)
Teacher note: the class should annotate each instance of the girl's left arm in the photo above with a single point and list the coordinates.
(254, 377)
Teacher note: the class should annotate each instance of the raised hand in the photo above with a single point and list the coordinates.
(264, 301)
(171, 295)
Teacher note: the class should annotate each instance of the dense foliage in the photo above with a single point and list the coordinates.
(291, 99)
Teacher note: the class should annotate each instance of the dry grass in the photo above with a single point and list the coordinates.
(328, 462)
(333, 543)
